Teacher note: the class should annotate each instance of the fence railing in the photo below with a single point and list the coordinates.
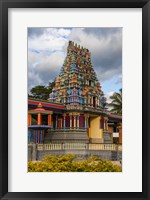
(79, 146)
(68, 129)
(119, 147)
(102, 147)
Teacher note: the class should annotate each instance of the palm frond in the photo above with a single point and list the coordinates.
(116, 103)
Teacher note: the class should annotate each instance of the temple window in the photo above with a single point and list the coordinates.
(90, 82)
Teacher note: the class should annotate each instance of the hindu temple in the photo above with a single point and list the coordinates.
(74, 119)
(77, 112)
(77, 87)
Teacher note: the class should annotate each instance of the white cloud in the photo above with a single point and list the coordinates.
(52, 39)
(47, 50)
(108, 95)
(42, 69)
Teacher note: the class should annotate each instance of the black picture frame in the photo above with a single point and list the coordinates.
(4, 6)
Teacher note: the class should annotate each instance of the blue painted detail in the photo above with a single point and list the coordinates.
(80, 92)
(29, 136)
(73, 66)
(85, 123)
(39, 127)
(81, 100)
(55, 93)
(69, 91)
(65, 123)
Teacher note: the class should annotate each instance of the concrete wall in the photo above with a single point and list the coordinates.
(81, 154)
(34, 154)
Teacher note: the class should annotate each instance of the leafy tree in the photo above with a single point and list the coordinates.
(52, 84)
(41, 92)
(116, 104)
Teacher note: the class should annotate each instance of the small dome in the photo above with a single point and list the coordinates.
(40, 105)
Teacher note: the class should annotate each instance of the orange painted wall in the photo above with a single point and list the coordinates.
(29, 119)
(49, 120)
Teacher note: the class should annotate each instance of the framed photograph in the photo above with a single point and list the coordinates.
(74, 99)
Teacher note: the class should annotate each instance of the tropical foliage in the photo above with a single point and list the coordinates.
(116, 103)
(69, 163)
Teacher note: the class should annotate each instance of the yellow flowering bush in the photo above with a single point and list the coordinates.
(69, 163)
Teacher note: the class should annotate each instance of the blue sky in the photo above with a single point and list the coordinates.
(47, 51)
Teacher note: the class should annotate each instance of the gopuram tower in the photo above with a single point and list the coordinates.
(78, 88)
(77, 85)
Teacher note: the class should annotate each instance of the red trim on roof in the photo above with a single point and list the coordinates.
(33, 102)
(115, 116)
(39, 110)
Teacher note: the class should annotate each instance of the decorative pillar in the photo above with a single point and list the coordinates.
(56, 125)
(95, 101)
(49, 120)
(92, 100)
(74, 121)
(89, 100)
(52, 123)
(78, 121)
(87, 122)
(64, 121)
(29, 119)
(39, 120)
(106, 125)
(70, 121)
(120, 133)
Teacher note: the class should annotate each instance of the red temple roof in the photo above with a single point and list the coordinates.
(40, 109)
(46, 104)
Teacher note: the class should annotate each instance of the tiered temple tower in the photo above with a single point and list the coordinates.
(78, 88)
(77, 85)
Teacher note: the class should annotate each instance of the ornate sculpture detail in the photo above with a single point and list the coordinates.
(77, 84)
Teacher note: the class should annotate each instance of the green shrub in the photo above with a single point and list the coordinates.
(68, 163)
